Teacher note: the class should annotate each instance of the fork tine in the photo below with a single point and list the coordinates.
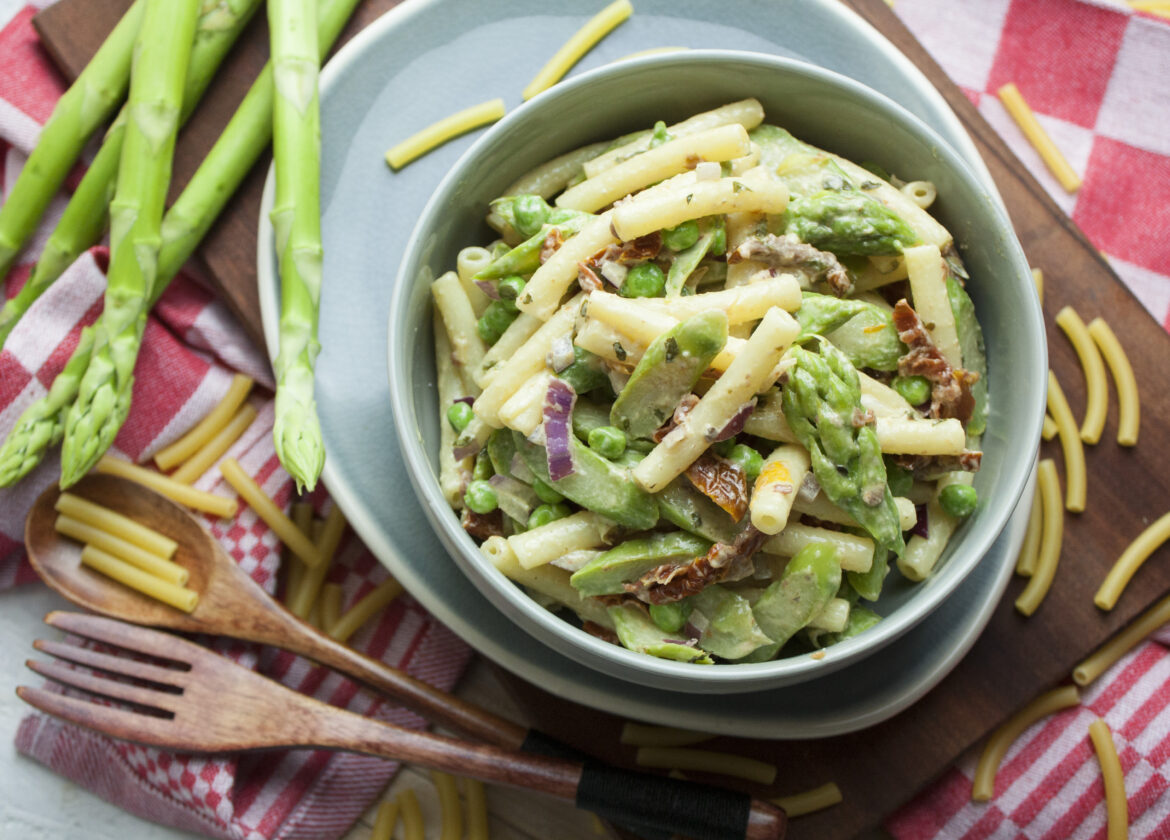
(128, 636)
(117, 723)
(114, 664)
(74, 678)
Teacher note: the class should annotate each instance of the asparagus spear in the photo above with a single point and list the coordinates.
(862, 330)
(296, 219)
(231, 158)
(822, 403)
(88, 103)
(84, 219)
(847, 222)
(161, 57)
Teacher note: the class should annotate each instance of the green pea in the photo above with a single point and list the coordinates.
(724, 447)
(682, 236)
(459, 415)
(898, 479)
(643, 281)
(546, 493)
(671, 617)
(914, 389)
(482, 470)
(544, 514)
(510, 287)
(480, 497)
(530, 213)
(495, 319)
(607, 441)
(959, 500)
(748, 459)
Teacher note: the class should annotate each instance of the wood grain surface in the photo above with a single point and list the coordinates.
(1016, 658)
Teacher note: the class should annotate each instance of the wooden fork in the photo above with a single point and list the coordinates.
(198, 701)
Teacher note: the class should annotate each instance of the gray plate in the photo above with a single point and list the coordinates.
(417, 64)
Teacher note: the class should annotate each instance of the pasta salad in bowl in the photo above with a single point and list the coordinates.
(708, 400)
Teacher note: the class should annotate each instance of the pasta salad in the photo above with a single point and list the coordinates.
(706, 385)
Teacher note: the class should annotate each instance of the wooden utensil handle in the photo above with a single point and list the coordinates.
(659, 802)
(435, 705)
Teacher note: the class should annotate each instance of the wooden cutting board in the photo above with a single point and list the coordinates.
(1016, 658)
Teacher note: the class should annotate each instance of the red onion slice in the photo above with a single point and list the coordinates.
(735, 424)
(558, 416)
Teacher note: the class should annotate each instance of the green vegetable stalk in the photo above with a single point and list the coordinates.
(84, 219)
(296, 220)
(161, 57)
(822, 403)
(847, 222)
(186, 223)
(88, 103)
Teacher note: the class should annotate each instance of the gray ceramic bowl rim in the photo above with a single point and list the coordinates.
(627, 664)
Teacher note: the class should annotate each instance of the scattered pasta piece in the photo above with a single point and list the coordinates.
(1161, 8)
(999, 741)
(1038, 279)
(128, 552)
(1010, 96)
(1070, 444)
(644, 735)
(1030, 550)
(448, 128)
(120, 526)
(205, 429)
(1103, 658)
(809, 801)
(450, 812)
(1130, 561)
(365, 609)
(266, 509)
(1128, 400)
(213, 450)
(176, 596)
(1116, 807)
(173, 490)
(1049, 431)
(386, 820)
(583, 40)
(477, 812)
(330, 601)
(325, 545)
(412, 818)
(1096, 387)
(707, 761)
(1051, 539)
(302, 518)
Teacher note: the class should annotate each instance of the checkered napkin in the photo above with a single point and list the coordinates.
(190, 351)
(1098, 77)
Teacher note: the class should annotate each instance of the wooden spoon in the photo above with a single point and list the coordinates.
(230, 602)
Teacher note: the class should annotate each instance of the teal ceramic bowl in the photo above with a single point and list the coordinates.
(822, 108)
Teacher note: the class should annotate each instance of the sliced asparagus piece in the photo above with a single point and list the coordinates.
(667, 372)
(810, 580)
(186, 223)
(605, 574)
(161, 57)
(637, 632)
(89, 102)
(847, 223)
(525, 257)
(731, 631)
(296, 221)
(85, 216)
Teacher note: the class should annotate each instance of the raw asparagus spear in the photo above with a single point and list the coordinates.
(667, 372)
(822, 403)
(161, 57)
(88, 103)
(195, 210)
(605, 574)
(85, 216)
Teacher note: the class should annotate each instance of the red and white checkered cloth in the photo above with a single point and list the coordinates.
(190, 350)
(1095, 72)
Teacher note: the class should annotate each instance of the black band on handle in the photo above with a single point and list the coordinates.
(694, 810)
(538, 743)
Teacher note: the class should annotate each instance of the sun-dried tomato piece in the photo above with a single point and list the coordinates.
(722, 482)
(482, 525)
